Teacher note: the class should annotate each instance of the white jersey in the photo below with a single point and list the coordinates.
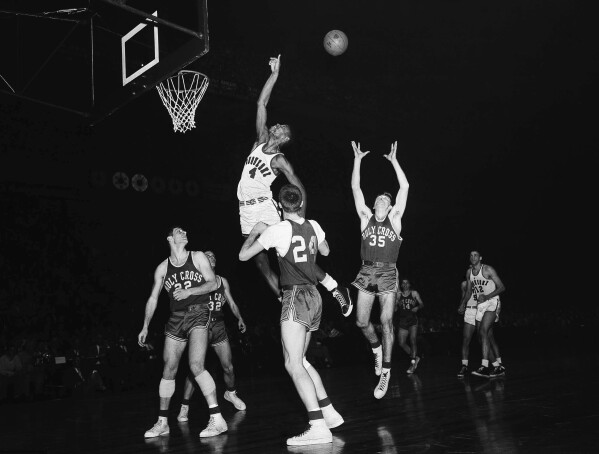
(257, 175)
(481, 284)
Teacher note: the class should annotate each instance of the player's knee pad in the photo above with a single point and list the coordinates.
(166, 388)
(206, 383)
(307, 365)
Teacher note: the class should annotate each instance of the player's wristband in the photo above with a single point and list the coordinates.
(329, 283)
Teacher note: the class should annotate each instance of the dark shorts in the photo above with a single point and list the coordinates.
(407, 321)
(218, 332)
(303, 305)
(180, 324)
(376, 280)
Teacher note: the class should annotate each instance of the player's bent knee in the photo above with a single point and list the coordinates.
(362, 325)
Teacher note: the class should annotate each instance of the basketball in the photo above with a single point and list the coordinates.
(335, 42)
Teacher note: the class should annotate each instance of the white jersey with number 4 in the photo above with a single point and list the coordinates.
(257, 175)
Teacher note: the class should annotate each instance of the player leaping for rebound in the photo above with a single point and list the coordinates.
(256, 204)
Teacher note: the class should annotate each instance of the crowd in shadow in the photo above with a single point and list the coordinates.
(79, 363)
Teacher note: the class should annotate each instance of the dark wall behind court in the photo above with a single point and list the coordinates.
(489, 104)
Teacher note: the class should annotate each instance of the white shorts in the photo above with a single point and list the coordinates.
(490, 305)
(250, 215)
(470, 316)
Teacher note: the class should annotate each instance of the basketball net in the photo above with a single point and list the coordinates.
(181, 95)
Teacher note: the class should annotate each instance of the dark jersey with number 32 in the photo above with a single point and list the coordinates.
(217, 300)
(380, 243)
(298, 266)
(183, 277)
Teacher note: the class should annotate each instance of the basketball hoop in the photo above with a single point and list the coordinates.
(181, 95)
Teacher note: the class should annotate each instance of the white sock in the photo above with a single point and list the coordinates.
(486, 362)
(465, 362)
(499, 360)
(495, 364)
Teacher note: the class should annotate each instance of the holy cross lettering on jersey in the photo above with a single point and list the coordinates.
(378, 234)
(182, 279)
(217, 301)
(258, 166)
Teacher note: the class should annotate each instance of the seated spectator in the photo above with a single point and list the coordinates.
(11, 374)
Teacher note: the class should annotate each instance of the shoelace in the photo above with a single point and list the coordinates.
(339, 297)
(304, 432)
(157, 426)
(211, 424)
(383, 383)
(376, 360)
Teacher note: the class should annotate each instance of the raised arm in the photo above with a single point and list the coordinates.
(233, 306)
(152, 302)
(282, 164)
(250, 246)
(203, 265)
(402, 195)
(261, 129)
(363, 211)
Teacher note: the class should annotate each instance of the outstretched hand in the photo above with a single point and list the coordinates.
(275, 64)
(392, 156)
(358, 154)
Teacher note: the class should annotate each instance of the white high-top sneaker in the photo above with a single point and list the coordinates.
(315, 434)
(160, 429)
(236, 401)
(378, 360)
(183, 414)
(381, 388)
(332, 418)
(216, 426)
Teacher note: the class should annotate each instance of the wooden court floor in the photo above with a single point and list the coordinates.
(545, 406)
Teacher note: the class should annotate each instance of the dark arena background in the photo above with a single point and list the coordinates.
(492, 106)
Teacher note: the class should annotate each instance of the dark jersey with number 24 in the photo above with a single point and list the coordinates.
(298, 266)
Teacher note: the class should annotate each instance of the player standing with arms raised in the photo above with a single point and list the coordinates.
(378, 275)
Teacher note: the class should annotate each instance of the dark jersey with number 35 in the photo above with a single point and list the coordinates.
(183, 277)
(380, 243)
(298, 266)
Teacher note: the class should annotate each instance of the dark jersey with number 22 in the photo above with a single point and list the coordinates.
(184, 277)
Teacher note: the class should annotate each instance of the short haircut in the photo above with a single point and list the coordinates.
(290, 198)
(289, 136)
(386, 194)
(171, 229)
